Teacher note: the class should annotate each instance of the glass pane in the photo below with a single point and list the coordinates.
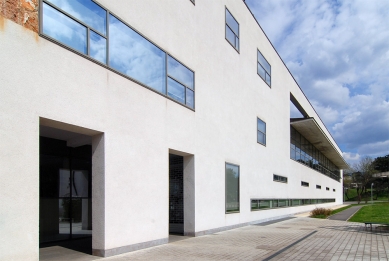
(232, 188)
(86, 11)
(64, 217)
(263, 62)
(133, 55)
(254, 204)
(82, 217)
(261, 125)
(292, 154)
(261, 138)
(180, 72)
(176, 91)
(80, 183)
(232, 22)
(189, 98)
(98, 47)
(64, 29)
(237, 43)
(64, 183)
(264, 204)
(268, 80)
(261, 71)
(230, 36)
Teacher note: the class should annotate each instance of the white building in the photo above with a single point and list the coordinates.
(130, 120)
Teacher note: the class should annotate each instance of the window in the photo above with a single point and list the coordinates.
(232, 30)
(232, 188)
(301, 150)
(304, 184)
(279, 178)
(263, 68)
(180, 82)
(333, 190)
(85, 27)
(327, 188)
(263, 204)
(261, 132)
(318, 186)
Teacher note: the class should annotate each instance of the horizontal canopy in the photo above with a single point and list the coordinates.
(309, 128)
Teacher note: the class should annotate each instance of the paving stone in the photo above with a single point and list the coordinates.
(294, 239)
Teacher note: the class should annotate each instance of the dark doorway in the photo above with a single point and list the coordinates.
(65, 207)
(176, 194)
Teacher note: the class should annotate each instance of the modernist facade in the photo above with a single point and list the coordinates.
(125, 121)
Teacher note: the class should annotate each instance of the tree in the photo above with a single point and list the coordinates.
(363, 175)
(381, 163)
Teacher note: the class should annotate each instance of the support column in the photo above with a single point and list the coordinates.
(189, 195)
(98, 195)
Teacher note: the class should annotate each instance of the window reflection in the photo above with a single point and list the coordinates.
(180, 72)
(176, 91)
(190, 98)
(98, 47)
(86, 11)
(135, 56)
(71, 22)
(64, 29)
(261, 133)
(232, 30)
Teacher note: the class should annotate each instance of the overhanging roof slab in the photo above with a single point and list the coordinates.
(309, 128)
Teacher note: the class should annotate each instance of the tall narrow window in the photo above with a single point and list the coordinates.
(263, 68)
(261, 132)
(232, 30)
(232, 188)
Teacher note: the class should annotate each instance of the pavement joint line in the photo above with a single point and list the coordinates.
(287, 247)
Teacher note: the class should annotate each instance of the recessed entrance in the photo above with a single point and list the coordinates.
(66, 153)
(65, 191)
(176, 194)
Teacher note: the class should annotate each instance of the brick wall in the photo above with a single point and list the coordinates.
(22, 12)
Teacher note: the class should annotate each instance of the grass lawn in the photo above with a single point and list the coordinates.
(378, 212)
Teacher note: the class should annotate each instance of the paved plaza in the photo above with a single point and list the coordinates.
(299, 238)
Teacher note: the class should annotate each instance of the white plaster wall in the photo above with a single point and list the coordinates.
(42, 79)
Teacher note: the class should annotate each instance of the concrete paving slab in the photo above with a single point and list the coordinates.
(345, 214)
(304, 239)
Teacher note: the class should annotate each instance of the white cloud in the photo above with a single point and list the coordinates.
(338, 52)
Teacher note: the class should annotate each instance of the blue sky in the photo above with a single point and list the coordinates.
(338, 51)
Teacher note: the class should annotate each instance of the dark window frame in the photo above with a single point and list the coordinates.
(266, 72)
(263, 133)
(304, 184)
(279, 178)
(318, 186)
(106, 36)
(237, 37)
